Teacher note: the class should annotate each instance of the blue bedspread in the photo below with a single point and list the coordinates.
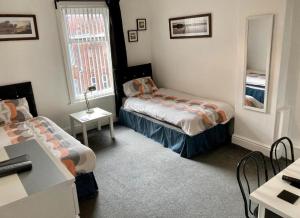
(170, 137)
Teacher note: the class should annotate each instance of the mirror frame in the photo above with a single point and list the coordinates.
(268, 62)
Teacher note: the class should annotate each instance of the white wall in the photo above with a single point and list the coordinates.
(254, 128)
(202, 66)
(293, 81)
(137, 52)
(41, 62)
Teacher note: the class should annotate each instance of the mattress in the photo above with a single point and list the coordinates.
(192, 114)
(75, 156)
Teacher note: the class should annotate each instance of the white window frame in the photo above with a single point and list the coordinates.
(64, 45)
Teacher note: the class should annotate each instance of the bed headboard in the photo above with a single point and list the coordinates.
(138, 71)
(134, 72)
(130, 74)
(20, 90)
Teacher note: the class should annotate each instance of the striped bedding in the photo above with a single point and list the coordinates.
(75, 156)
(192, 114)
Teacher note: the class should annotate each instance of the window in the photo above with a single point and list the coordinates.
(85, 39)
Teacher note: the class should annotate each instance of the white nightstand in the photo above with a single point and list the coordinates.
(84, 118)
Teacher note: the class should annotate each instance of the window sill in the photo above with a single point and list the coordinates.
(72, 102)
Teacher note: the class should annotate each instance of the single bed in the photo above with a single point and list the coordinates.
(79, 159)
(187, 124)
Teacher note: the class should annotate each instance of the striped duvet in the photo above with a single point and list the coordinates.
(190, 113)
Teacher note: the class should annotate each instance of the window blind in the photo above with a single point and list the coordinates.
(85, 29)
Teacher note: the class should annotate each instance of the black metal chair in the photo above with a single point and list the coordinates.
(257, 160)
(279, 164)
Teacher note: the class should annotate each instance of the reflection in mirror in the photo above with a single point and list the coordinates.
(259, 43)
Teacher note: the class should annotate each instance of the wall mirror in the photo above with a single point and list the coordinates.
(259, 36)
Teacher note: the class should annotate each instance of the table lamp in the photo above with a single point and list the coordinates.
(89, 89)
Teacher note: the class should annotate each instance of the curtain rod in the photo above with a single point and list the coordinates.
(56, 1)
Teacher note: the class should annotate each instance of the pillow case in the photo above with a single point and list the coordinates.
(140, 86)
(13, 111)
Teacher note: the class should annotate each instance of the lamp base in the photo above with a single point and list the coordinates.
(90, 111)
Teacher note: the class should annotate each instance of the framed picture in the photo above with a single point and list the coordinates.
(141, 24)
(18, 27)
(196, 26)
(133, 36)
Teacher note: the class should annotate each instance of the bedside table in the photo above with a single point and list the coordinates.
(84, 118)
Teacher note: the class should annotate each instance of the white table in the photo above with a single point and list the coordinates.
(85, 118)
(47, 191)
(266, 195)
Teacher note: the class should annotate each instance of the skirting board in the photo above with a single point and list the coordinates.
(257, 146)
(297, 151)
(251, 144)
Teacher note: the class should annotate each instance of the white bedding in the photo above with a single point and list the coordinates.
(190, 113)
(256, 79)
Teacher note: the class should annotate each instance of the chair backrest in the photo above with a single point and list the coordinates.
(281, 146)
(257, 160)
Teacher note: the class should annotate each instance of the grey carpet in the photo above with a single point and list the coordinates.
(138, 177)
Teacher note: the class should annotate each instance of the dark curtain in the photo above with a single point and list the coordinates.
(118, 48)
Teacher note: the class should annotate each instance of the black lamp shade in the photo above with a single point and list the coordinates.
(92, 88)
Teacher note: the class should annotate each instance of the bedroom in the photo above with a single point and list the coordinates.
(132, 178)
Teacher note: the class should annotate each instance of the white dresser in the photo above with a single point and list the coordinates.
(47, 191)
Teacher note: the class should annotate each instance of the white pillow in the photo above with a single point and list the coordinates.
(14, 110)
(140, 86)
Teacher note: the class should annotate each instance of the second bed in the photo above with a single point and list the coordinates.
(187, 124)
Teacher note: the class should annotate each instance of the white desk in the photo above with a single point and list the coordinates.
(266, 195)
(47, 191)
(84, 118)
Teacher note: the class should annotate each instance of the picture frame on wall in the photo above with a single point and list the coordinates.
(141, 24)
(18, 27)
(195, 26)
(133, 36)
